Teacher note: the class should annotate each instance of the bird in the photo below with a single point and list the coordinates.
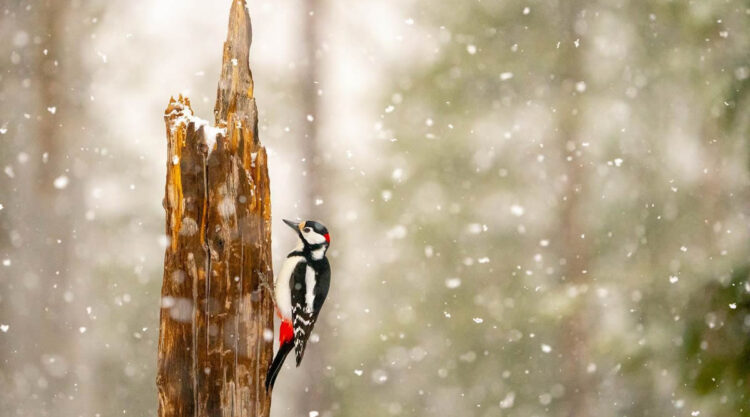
(299, 291)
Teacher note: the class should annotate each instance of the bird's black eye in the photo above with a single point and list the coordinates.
(307, 230)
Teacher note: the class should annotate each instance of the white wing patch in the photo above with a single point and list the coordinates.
(309, 289)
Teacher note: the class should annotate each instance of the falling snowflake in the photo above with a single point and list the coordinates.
(508, 401)
(453, 283)
(268, 335)
(61, 182)
(517, 210)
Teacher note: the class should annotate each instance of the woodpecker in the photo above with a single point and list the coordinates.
(299, 291)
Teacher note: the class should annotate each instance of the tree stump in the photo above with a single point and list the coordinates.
(216, 326)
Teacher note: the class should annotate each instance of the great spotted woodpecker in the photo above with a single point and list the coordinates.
(299, 291)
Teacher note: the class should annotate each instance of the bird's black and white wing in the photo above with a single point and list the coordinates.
(309, 290)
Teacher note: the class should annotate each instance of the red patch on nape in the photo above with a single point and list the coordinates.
(286, 332)
(328, 237)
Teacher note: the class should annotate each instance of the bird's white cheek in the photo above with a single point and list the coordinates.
(314, 238)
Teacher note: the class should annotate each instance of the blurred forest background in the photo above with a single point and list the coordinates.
(537, 208)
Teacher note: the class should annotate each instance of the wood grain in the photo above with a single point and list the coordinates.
(216, 325)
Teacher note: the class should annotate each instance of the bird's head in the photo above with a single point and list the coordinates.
(312, 236)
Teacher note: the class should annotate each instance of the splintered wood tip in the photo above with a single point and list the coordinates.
(239, 19)
(235, 90)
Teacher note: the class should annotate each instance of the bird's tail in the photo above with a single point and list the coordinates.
(278, 361)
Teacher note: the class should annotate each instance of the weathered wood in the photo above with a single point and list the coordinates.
(235, 91)
(216, 328)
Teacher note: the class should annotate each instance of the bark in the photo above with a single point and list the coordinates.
(216, 329)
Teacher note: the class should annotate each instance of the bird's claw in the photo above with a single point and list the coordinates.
(264, 283)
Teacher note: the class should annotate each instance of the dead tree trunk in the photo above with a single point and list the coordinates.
(216, 330)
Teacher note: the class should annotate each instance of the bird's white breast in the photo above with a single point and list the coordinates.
(281, 286)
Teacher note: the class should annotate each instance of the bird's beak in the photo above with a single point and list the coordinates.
(293, 225)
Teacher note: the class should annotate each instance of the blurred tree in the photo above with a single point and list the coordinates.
(572, 247)
(315, 193)
(313, 11)
(44, 89)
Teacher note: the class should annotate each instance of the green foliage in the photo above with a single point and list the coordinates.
(717, 341)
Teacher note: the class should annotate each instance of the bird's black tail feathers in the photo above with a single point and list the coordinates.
(278, 361)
